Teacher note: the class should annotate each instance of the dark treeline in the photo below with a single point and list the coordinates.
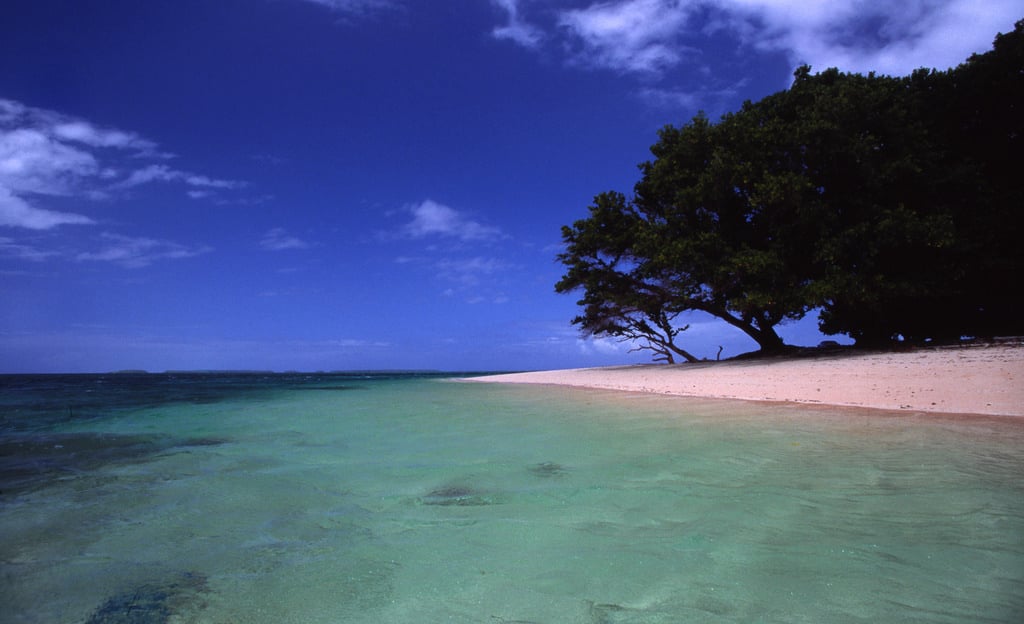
(892, 205)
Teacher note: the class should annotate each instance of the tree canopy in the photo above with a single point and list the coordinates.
(893, 205)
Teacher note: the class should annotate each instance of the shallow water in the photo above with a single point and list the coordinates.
(310, 499)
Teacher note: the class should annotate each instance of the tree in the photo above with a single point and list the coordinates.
(895, 205)
(924, 198)
(882, 249)
(978, 111)
(698, 235)
(618, 301)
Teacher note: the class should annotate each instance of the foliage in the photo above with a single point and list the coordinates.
(620, 298)
(892, 204)
(934, 248)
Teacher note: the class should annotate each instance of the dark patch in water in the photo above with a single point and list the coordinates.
(41, 402)
(38, 402)
(32, 460)
(153, 603)
(203, 442)
(614, 614)
(457, 495)
(548, 470)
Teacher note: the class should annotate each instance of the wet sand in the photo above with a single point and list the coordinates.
(975, 379)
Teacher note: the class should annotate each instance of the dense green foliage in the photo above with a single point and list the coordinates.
(891, 204)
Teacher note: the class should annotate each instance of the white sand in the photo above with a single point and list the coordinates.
(962, 379)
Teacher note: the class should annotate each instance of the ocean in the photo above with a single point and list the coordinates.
(412, 498)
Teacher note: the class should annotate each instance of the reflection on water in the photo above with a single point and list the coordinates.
(418, 500)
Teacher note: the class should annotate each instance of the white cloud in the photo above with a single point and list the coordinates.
(34, 161)
(87, 134)
(278, 239)
(630, 35)
(151, 173)
(470, 271)
(163, 173)
(474, 279)
(349, 343)
(516, 29)
(16, 212)
(430, 218)
(885, 37)
(11, 247)
(193, 179)
(711, 100)
(647, 36)
(65, 128)
(252, 200)
(354, 6)
(604, 346)
(670, 98)
(132, 252)
(45, 153)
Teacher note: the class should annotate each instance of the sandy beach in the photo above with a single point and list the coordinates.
(970, 379)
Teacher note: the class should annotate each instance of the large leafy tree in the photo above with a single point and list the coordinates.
(925, 209)
(895, 205)
(700, 234)
(710, 198)
(882, 248)
(977, 112)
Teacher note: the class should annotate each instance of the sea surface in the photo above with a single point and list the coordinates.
(388, 498)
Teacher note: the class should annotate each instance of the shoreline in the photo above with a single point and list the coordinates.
(964, 379)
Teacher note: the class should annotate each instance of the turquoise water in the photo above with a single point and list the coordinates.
(307, 499)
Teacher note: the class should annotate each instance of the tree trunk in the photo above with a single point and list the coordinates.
(686, 354)
(766, 338)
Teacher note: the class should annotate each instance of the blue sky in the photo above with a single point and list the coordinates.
(362, 184)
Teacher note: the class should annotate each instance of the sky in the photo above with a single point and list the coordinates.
(369, 184)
